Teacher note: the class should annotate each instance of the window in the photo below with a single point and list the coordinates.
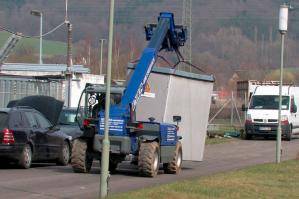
(269, 102)
(43, 122)
(3, 120)
(31, 120)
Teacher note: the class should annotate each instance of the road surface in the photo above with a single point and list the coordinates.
(50, 181)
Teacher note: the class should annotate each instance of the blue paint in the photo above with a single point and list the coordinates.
(163, 36)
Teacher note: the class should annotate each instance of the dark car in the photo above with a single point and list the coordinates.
(27, 135)
(68, 124)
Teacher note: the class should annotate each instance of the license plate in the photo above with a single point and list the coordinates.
(265, 128)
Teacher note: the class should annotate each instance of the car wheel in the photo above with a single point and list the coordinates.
(26, 157)
(64, 156)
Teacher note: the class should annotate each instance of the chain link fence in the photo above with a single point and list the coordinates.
(13, 88)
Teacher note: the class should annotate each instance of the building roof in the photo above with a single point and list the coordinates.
(175, 72)
(43, 68)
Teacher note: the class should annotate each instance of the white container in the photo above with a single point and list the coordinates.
(188, 95)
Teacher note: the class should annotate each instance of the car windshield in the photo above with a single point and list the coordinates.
(3, 120)
(67, 117)
(269, 102)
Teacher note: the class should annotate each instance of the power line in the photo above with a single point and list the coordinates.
(26, 36)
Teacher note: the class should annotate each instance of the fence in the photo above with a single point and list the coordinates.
(14, 88)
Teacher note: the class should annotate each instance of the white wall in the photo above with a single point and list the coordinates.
(186, 97)
(78, 84)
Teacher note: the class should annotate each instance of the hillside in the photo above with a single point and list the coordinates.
(227, 36)
(50, 48)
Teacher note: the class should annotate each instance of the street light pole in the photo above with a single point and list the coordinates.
(101, 56)
(40, 15)
(106, 142)
(283, 28)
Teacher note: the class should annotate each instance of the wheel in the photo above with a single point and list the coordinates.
(26, 157)
(112, 166)
(289, 134)
(81, 160)
(148, 159)
(64, 156)
(245, 136)
(174, 167)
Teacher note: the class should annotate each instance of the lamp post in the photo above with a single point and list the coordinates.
(40, 15)
(283, 28)
(106, 142)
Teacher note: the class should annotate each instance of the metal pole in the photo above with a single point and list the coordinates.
(106, 142)
(69, 64)
(278, 137)
(101, 58)
(232, 110)
(41, 39)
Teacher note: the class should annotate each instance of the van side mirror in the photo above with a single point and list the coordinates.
(244, 108)
(294, 109)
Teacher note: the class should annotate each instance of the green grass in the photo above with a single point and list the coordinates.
(50, 48)
(262, 181)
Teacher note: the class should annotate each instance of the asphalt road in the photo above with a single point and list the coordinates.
(50, 181)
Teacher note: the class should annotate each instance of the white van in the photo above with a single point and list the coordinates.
(262, 113)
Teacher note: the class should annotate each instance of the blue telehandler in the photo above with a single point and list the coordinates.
(147, 144)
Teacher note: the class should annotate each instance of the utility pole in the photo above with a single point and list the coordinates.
(283, 28)
(106, 142)
(69, 74)
(101, 56)
(187, 21)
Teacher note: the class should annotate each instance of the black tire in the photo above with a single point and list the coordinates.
(26, 157)
(289, 134)
(112, 167)
(64, 156)
(148, 159)
(245, 136)
(174, 167)
(81, 160)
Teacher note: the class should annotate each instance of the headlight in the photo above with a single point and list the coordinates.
(248, 117)
(284, 118)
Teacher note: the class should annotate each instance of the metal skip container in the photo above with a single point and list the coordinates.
(171, 92)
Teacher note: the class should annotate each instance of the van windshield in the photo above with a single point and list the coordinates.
(269, 102)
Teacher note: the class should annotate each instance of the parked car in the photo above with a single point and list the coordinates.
(27, 135)
(68, 124)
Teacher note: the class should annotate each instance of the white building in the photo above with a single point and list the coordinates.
(12, 74)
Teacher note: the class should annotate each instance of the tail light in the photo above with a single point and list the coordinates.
(139, 126)
(8, 137)
(86, 122)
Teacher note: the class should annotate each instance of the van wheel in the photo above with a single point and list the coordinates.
(26, 157)
(289, 134)
(245, 136)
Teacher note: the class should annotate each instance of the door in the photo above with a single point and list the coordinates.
(53, 141)
(37, 136)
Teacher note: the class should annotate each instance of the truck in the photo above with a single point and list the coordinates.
(262, 112)
(147, 144)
